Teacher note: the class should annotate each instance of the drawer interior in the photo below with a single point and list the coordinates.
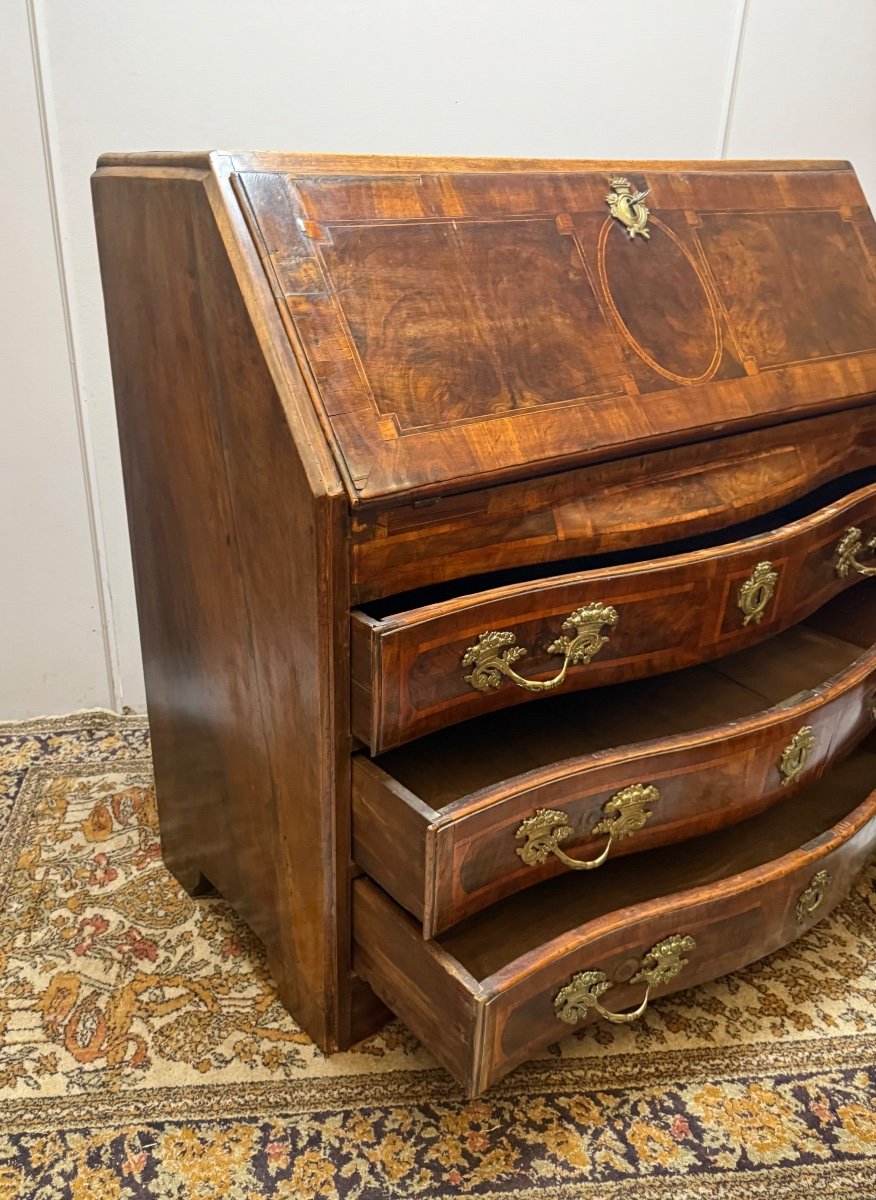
(488, 941)
(446, 766)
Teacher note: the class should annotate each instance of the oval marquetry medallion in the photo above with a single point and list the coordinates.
(675, 330)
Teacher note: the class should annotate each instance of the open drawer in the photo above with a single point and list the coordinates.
(454, 822)
(430, 666)
(496, 989)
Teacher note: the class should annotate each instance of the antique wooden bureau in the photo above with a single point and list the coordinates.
(502, 533)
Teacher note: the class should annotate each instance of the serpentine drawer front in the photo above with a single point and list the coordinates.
(499, 523)
(508, 982)
(649, 500)
(419, 670)
(454, 822)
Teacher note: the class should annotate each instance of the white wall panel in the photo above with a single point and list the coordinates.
(806, 85)
(562, 77)
(51, 638)
(572, 77)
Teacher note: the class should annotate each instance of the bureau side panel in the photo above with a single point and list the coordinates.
(239, 572)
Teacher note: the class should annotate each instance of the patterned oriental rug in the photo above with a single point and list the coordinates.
(143, 1052)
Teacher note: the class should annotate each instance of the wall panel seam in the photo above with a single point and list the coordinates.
(89, 477)
(729, 105)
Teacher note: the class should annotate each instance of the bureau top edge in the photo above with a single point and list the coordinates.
(306, 162)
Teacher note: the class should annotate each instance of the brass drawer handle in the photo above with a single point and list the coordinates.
(582, 992)
(812, 897)
(847, 550)
(757, 591)
(623, 814)
(494, 653)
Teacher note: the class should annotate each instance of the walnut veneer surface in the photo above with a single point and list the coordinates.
(502, 534)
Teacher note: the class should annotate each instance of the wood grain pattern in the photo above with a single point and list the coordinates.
(734, 891)
(671, 613)
(473, 326)
(646, 499)
(434, 821)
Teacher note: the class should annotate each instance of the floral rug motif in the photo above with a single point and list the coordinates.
(143, 1052)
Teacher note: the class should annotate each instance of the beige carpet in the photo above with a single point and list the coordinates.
(143, 1053)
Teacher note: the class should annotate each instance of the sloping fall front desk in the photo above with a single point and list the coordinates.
(504, 536)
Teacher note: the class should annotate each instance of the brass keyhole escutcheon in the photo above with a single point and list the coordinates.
(623, 814)
(583, 992)
(796, 754)
(757, 591)
(626, 206)
(812, 897)
(493, 656)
